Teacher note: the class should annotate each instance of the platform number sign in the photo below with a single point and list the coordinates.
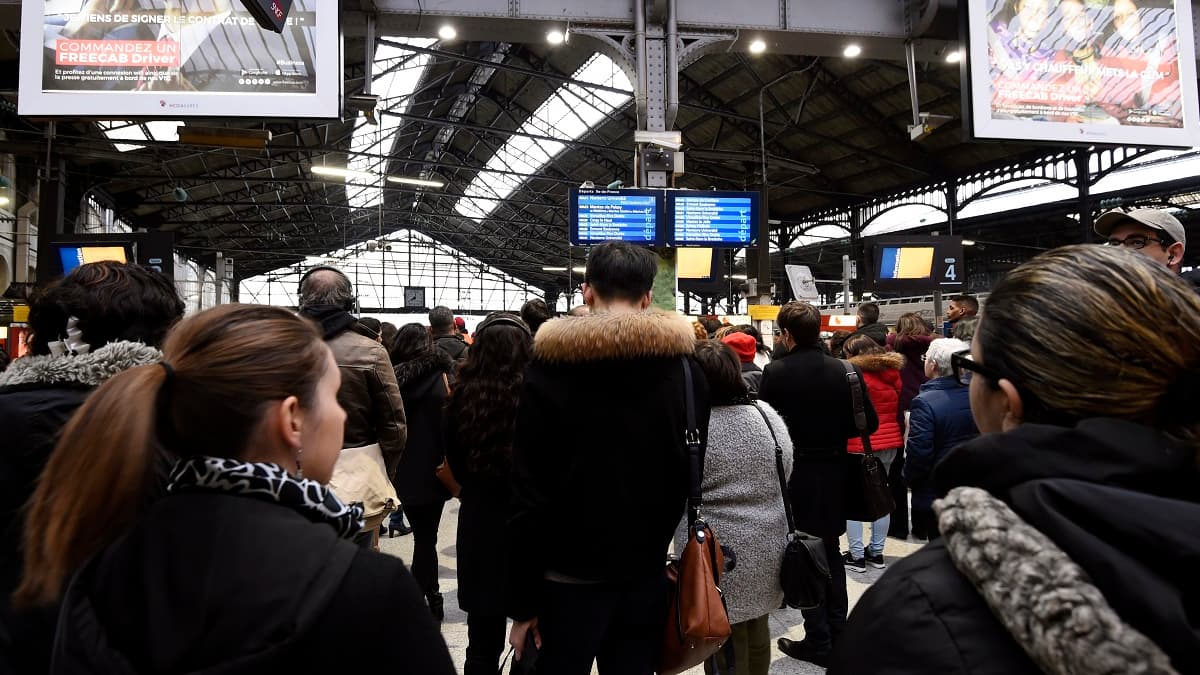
(917, 264)
(950, 271)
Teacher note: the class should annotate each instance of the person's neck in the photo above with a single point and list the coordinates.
(615, 307)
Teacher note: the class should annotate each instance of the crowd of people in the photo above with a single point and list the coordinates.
(206, 494)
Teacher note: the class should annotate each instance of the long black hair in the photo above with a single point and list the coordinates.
(487, 391)
(412, 340)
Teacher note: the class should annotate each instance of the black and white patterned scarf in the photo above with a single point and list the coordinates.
(267, 482)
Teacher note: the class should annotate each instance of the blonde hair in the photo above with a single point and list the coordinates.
(1094, 331)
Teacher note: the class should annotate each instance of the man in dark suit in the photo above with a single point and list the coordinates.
(811, 391)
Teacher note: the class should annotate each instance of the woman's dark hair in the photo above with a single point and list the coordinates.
(111, 302)
(388, 330)
(412, 340)
(859, 345)
(723, 370)
(837, 342)
(228, 365)
(1097, 331)
(535, 313)
(486, 393)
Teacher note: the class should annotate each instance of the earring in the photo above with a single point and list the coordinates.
(299, 469)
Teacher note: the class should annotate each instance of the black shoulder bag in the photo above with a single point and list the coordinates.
(805, 571)
(868, 497)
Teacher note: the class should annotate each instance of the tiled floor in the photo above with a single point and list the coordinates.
(787, 623)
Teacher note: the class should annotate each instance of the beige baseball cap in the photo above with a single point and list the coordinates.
(1155, 219)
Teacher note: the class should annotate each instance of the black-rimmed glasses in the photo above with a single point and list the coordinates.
(965, 365)
(1136, 242)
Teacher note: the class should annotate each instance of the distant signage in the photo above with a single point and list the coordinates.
(701, 218)
(1083, 71)
(763, 312)
(599, 215)
(917, 264)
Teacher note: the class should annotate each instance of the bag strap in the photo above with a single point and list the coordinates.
(691, 435)
(856, 396)
(787, 502)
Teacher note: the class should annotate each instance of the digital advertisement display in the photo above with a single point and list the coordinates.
(599, 215)
(177, 58)
(1083, 71)
(912, 262)
(712, 218)
(74, 256)
(916, 264)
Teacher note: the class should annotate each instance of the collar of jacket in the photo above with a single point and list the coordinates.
(414, 370)
(1045, 600)
(879, 362)
(613, 336)
(941, 384)
(1099, 450)
(333, 319)
(91, 369)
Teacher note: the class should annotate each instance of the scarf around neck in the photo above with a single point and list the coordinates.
(270, 483)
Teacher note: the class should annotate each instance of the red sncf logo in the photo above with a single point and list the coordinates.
(278, 12)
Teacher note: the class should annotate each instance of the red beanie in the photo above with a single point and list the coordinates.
(743, 344)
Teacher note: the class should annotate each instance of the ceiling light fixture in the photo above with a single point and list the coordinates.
(339, 172)
(968, 242)
(554, 269)
(420, 182)
(851, 51)
(954, 56)
(556, 37)
(4, 201)
(758, 47)
(447, 32)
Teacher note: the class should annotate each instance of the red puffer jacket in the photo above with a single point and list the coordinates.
(882, 372)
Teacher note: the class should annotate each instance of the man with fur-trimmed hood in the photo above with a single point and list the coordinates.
(594, 512)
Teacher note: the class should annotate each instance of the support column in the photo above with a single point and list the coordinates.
(1083, 180)
(52, 195)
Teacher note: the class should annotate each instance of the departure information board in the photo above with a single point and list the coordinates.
(599, 215)
(718, 219)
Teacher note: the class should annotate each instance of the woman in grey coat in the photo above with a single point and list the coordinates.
(743, 503)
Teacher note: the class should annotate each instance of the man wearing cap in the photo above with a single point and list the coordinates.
(1151, 232)
(746, 347)
(460, 326)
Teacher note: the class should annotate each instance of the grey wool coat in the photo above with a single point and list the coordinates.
(744, 506)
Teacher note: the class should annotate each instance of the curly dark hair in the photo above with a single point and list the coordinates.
(486, 394)
(412, 340)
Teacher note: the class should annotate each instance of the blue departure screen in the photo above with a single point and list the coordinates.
(713, 218)
(599, 215)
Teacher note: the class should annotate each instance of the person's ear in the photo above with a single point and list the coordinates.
(589, 296)
(287, 422)
(1174, 253)
(1014, 408)
(646, 300)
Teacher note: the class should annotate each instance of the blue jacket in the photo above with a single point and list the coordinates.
(940, 421)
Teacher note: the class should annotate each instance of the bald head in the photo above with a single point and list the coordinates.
(326, 287)
(580, 310)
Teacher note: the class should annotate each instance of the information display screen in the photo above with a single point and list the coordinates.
(728, 219)
(906, 262)
(143, 58)
(599, 215)
(74, 256)
(1083, 71)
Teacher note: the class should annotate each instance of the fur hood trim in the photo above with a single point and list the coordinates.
(92, 369)
(878, 362)
(1038, 593)
(436, 361)
(612, 336)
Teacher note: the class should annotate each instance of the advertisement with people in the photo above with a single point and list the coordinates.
(1119, 71)
(177, 57)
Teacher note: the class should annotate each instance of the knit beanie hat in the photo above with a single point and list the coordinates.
(743, 344)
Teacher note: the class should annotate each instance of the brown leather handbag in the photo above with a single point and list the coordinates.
(697, 621)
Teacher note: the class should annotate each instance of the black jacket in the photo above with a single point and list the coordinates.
(453, 345)
(599, 457)
(226, 584)
(876, 331)
(38, 395)
(423, 388)
(1121, 500)
(811, 393)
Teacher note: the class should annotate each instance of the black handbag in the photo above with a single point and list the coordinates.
(868, 496)
(804, 575)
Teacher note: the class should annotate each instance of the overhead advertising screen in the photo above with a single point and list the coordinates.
(73, 256)
(177, 58)
(728, 219)
(906, 262)
(916, 264)
(599, 215)
(1083, 71)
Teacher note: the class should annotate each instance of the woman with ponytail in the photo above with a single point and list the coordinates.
(185, 523)
(1068, 528)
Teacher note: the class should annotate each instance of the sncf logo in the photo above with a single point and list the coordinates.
(278, 12)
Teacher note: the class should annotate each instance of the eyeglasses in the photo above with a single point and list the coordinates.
(1136, 242)
(964, 366)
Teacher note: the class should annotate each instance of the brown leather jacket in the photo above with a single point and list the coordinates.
(370, 396)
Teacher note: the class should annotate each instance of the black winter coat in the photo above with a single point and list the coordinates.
(482, 517)
(225, 584)
(599, 457)
(423, 388)
(38, 395)
(1121, 500)
(810, 392)
(453, 345)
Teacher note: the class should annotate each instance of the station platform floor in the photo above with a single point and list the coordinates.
(784, 623)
